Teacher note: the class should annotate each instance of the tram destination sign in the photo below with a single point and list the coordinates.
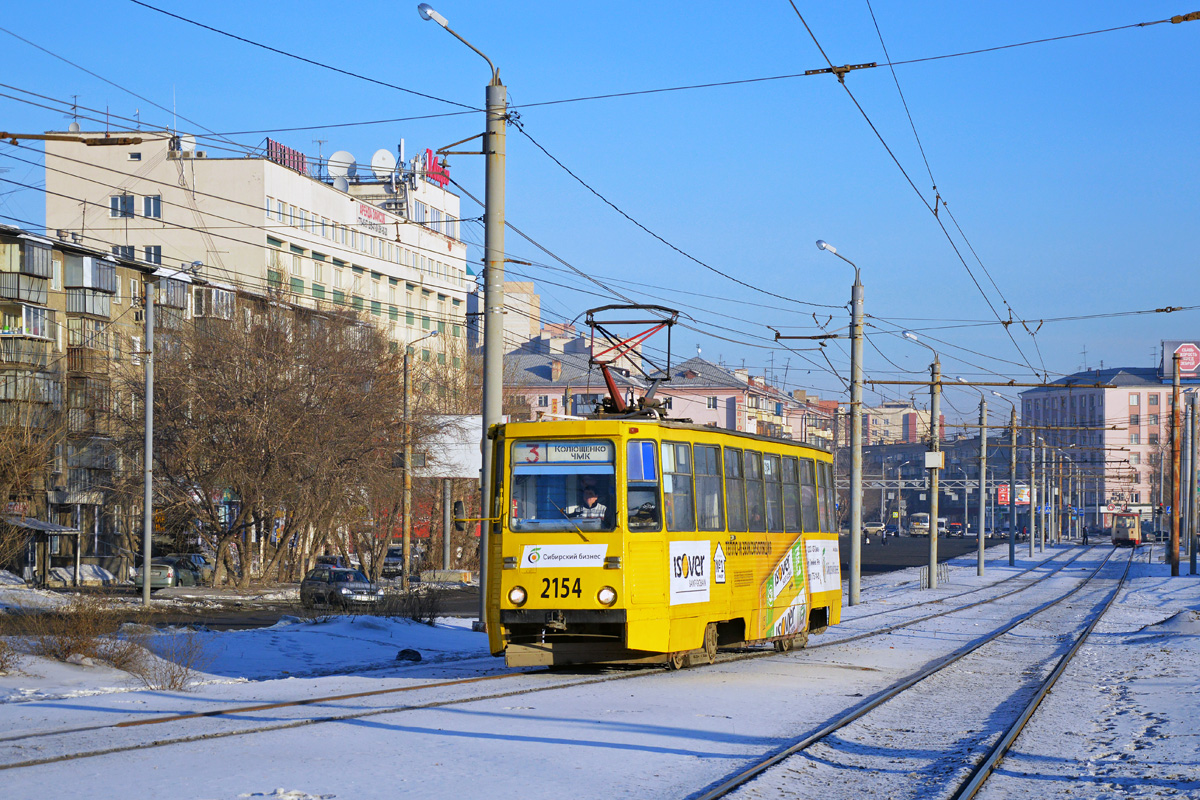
(562, 452)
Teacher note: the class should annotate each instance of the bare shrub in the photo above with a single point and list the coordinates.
(8, 656)
(79, 629)
(420, 604)
(176, 660)
(312, 614)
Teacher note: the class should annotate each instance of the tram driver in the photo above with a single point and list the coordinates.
(592, 507)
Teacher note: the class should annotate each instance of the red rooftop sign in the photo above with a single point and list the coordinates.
(436, 171)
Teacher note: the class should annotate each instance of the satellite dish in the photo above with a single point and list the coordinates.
(341, 184)
(383, 163)
(73, 127)
(187, 143)
(342, 165)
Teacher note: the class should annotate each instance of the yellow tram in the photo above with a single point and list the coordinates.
(653, 541)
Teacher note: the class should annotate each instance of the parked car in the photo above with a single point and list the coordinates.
(891, 530)
(955, 529)
(393, 563)
(202, 562)
(168, 572)
(331, 561)
(338, 587)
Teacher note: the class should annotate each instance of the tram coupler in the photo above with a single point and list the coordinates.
(556, 621)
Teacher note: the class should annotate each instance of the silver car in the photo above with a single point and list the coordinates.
(339, 588)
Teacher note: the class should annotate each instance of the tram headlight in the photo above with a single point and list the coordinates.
(517, 596)
(607, 596)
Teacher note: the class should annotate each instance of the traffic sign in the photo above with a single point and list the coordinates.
(1189, 358)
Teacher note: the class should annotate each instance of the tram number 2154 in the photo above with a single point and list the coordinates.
(560, 587)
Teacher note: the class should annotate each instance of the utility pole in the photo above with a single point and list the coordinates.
(1033, 492)
(856, 491)
(494, 147)
(1194, 521)
(1175, 430)
(148, 455)
(983, 444)
(935, 435)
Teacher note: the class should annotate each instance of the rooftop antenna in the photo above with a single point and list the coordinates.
(697, 351)
(137, 115)
(1085, 366)
(174, 121)
(320, 166)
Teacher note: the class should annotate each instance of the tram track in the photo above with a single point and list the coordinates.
(969, 784)
(560, 681)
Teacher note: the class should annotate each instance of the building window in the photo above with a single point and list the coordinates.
(153, 253)
(1153, 439)
(152, 206)
(1135, 438)
(279, 210)
(135, 156)
(711, 402)
(1134, 419)
(1133, 399)
(543, 400)
(124, 251)
(120, 205)
(1135, 458)
(1152, 419)
(1153, 399)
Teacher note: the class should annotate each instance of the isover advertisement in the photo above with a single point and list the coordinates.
(783, 590)
(690, 573)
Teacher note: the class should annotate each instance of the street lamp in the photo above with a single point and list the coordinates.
(1012, 480)
(982, 467)
(151, 282)
(856, 346)
(933, 460)
(406, 507)
(493, 289)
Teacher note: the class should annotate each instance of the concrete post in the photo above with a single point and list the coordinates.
(935, 436)
(148, 456)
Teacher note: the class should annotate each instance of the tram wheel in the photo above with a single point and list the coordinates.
(783, 645)
(800, 640)
(678, 660)
(710, 642)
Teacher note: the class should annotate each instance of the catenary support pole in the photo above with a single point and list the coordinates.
(935, 441)
(447, 523)
(983, 446)
(1033, 492)
(1194, 539)
(1012, 488)
(856, 494)
(148, 455)
(1175, 431)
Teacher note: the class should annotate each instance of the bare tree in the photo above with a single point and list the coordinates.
(31, 429)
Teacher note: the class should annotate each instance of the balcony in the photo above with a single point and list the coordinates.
(171, 293)
(88, 301)
(24, 288)
(85, 359)
(88, 421)
(16, 349)
(27, 258)
(85, 272)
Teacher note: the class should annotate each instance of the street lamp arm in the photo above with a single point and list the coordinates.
(823, 245)
(427, 12)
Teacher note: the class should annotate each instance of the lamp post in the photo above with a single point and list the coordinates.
(856, 346)
(982, 469)
(406, 507)
(151, 282)
(1012, 480)
(933, 460)
(493, 318)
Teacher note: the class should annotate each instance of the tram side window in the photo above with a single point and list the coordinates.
(809, 514)
(791, 495)
(641, 468)
(677, 486)
(828, 499)
(735, 494)
(755, 512)
(774, 486)
(708, 487)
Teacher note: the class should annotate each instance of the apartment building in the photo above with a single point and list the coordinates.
(388, 244)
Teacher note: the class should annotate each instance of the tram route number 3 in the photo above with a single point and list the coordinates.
(560, 587)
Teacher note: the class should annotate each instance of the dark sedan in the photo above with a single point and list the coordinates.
(339, 588)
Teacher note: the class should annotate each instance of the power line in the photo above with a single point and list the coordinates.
(309, 61)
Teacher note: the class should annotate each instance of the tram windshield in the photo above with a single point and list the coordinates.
(563, 486)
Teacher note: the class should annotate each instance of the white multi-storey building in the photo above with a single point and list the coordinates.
(389, 247)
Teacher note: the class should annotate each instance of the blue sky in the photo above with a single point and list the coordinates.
(1071, 165)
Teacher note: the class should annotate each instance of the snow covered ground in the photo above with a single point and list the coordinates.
(458, 723)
